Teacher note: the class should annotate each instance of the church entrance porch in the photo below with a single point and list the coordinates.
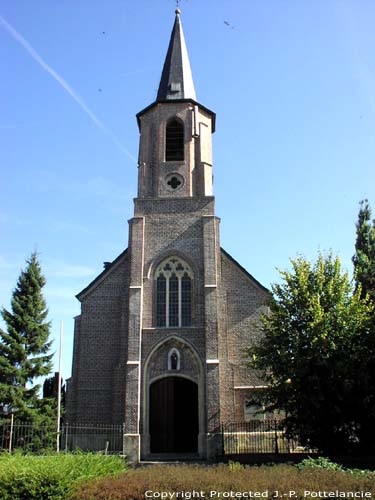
(174, 424)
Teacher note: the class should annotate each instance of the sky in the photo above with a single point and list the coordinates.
(292, 83)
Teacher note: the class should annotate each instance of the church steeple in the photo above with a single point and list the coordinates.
(175, 150)
(176, 80)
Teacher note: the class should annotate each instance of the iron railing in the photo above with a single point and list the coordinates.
(257, 436)
(253, 437)
(28, 437)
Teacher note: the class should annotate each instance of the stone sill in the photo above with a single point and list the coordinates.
(172, 329)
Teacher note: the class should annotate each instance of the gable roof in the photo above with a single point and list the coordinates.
(113, 264)
(102, 275)
(245, 272)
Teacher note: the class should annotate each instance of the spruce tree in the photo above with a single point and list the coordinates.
(24, 348)
(364, 359)
(364, 257)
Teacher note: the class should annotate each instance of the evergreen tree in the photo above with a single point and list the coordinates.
(50, 390)
(24, 348)
(364, 359)
(50, 386)
(364, 257)
(310, 355)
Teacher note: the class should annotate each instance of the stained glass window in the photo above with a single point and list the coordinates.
(161, 287)
(173, 293)
(185, 300)
(173, 301)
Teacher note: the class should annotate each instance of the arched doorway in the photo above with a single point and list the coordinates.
(174, 416)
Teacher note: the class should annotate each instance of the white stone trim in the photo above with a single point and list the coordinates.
(135, 286)
(210, 286)
(212, 361)
(132, 362)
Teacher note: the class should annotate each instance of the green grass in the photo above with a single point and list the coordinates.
(53, 477)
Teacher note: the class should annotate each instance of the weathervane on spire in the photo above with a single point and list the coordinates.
(178, 11)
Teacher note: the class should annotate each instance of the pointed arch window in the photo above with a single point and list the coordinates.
(173, 293)
(174, 140)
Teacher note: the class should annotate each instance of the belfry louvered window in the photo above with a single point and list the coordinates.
(174, 141)
(173, 293)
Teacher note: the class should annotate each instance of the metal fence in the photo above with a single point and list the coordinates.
(101, 437)
(257, 436)
(253, 437)
(39, 439)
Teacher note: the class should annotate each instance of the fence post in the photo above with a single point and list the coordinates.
(123, 439)
(11, 432)
(222, 441)
(276, 441)
(66, 437)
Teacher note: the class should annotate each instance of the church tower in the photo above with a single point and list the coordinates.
(158, 345)
(174, 250)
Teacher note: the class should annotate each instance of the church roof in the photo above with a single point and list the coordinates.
(176, 79)
(108, 266)
(244, 271)
(111, 265)
(176, 83)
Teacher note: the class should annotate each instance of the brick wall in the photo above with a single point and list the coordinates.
(98, 349)
(243, 301)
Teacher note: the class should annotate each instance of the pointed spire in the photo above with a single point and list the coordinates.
(176, 79)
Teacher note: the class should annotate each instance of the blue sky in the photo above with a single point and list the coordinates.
(292, 83)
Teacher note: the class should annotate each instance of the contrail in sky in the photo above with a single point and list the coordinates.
(37, 58)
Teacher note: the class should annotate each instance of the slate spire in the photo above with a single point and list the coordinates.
(176, 79)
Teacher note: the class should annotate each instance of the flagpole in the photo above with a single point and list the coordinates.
(59, 391)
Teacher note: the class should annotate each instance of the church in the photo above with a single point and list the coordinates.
(159, 344)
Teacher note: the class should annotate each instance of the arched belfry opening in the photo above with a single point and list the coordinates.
(174, 423)
(174, 140)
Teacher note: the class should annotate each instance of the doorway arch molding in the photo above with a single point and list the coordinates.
(156, 368)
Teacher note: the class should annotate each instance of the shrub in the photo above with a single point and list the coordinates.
(319, 463)
(325, 463)
(27, 477)
(223, 478)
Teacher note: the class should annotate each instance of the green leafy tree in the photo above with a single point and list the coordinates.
(24, 348)
(309, 351)
(364, 257)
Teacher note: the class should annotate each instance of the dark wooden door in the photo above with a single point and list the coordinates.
(174, 416)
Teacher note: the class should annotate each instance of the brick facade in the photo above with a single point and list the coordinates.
(119, 350)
